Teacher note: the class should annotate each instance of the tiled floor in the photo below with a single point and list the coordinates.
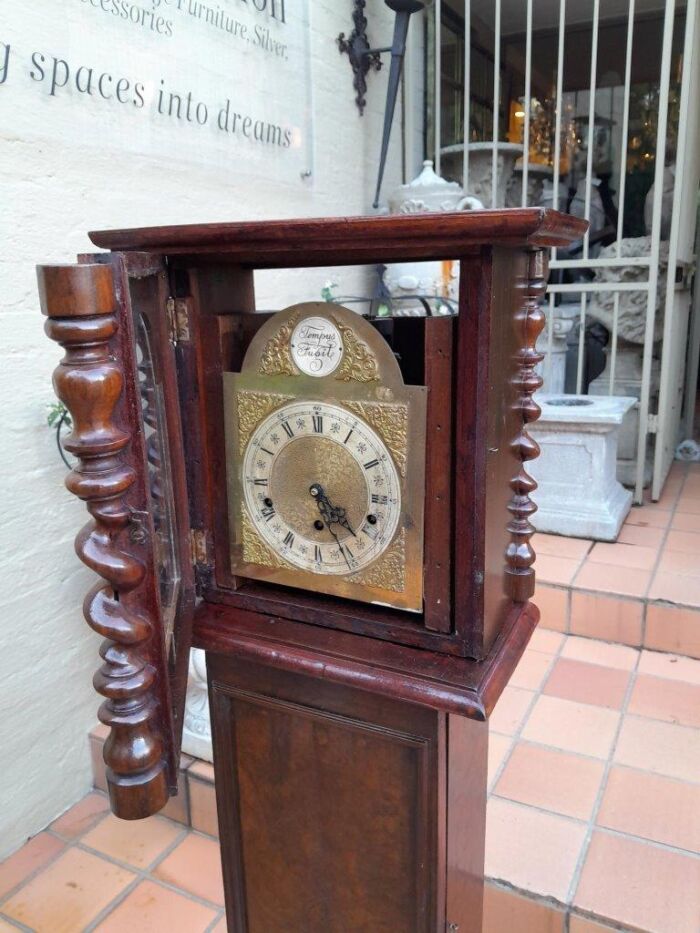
(593, 817)
(643, 590)
(594, 769)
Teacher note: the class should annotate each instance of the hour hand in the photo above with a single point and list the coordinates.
(331, 515)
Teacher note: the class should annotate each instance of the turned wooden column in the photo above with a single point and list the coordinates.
(79, 302)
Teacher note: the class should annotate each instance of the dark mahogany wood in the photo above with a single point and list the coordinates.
(426, 678)
(350, 740)
(332, 804)
(348, 240)
(80, 304)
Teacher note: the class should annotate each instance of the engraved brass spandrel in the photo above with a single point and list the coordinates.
(255, 551)
(389, 421)
(358, 362)
(252, 408)
(276, 359)
(389, 571)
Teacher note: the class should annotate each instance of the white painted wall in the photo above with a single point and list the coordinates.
(70, 162)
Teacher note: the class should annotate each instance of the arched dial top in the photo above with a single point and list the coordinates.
(321, 488)
(326, 460)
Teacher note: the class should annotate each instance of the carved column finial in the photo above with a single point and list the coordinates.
(529, 322)
(80, 305)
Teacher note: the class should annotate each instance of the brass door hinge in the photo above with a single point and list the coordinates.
(178, 313)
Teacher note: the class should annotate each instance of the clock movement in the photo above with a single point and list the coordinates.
(336, 509)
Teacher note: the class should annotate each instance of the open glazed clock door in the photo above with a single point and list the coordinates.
(118, 381)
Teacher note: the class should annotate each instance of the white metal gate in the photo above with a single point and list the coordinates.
(573, 117)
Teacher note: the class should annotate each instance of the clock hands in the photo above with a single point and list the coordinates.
(332, 515)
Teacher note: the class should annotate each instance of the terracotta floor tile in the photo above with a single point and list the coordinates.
(673, 666)
(33, 855)
(560, 546)
(69, 894)
(195, 866)
(546, 641)
(81, 817)
(137, 842)
(573, 727)
(606, 617)
(510, 710)
(668, 700)
(587, 683)
(639, 884)
(506, 910)
(151, 908)
(203, 807)
(531, 850)
(648, 516)
(607, 578)
(674, 629)
(6, 927)
(221, 926)
(689, 503)
(641, 535)
(559, 570)
(624, 555)
(686, 541)
(551, 780)
(499, 746)
(654, 807)
(531, 670)
(600, 652)
(202, 770)
(680, 562)
(553, 604)
(584, 925)
(686, 521)
(661, 747)
(676, 588)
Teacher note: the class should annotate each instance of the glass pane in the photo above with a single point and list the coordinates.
(160, 487)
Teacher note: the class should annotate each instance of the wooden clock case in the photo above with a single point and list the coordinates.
(350, 740)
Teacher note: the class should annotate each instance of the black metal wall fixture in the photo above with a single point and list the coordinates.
(364, 58)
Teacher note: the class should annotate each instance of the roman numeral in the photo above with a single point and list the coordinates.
(268, 513)
(370, 531)
(260, 482)
(372, 463)
(350, 433)
(265, 450)
(318, 555)
(379, 500)
(318, 423)
(289, 540)
(287, 430)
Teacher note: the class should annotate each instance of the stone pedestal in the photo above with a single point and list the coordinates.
(579, 494)
(628, 383)
(196, 733)
(480, 181)
(553, 369)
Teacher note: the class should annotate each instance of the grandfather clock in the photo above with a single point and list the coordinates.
(336, 509)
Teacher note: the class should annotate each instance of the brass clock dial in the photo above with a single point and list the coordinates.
(321, 488)
(326, 460)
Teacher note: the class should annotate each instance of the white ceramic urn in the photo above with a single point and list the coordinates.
(428, 193)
